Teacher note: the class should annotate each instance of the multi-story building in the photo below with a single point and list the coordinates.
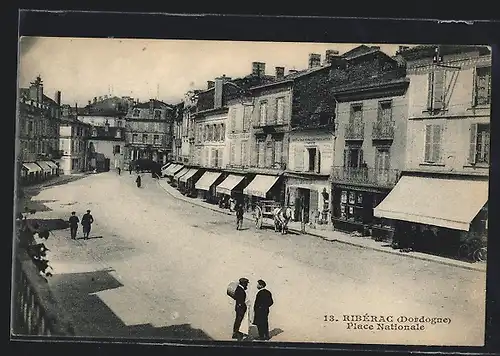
(177, 132)
(188, 126)
(38, 132)
(106, 110)
(108, 141)
(310, 151)
(73, 143)
(148, 130)
(444, 188)
(370, 138)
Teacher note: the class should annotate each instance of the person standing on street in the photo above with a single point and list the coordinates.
(138, 181)
(73, 224)
(119, 171)
(240, 307)
(87, 221)
(239, 216)
(263, 302)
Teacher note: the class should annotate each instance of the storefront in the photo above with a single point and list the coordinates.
(187, 182)
(442, 212)
(46, 169)
(206, 185)
(230, 190)
(309, 200)
(175, 179)
(263, 187)
(353, 211)
(33, 172)
(171, 170)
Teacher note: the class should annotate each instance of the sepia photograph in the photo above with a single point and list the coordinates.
(251, 191)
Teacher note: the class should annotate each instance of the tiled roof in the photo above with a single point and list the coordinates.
(157, 104)
(25, 92)
(392, 77)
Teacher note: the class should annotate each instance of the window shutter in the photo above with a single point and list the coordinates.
(219, 157)
(278, 151)
(430, 86)
(360, 156)
(262, 152)
(318, 161)
(346, 157)
(299, 158)
(269, 153)
(438, 91)
(473, 142)
(232, 120)
(436, 142)
(474, 88)
(428, 143)
(232, 153)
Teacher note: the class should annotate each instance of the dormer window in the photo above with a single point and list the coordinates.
(136, 112)
(118, 133)
(157, 114)
(94, 132)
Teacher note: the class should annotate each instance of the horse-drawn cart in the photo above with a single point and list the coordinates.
(264, 209)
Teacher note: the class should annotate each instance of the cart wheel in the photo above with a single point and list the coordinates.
(258, 217)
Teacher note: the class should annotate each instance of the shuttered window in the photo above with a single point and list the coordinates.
(479, 151)
(232, 119)
(280, 111)
(261, 149)
(278, 151)
(298, 158)
(247, 117)
(269, 154)
(433, 140)
(483, 86)
(219, 157)
(263, 113)
(232, 153)
(244, 153)
(435, 90)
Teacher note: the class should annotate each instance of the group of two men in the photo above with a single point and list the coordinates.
(263, 301)
(87, 220)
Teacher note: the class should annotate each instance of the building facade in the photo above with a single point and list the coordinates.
(188, 126)
(447, 149)
(73, 144)
(370, 140)
(177, 133)
(148, 130)
(38, 131)
(110, 142)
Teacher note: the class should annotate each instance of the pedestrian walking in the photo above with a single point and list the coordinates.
(130, 169)
(138, 181)
(73, 224)
(263, 301)
(87, 221)
(240, 307)
(239, 216)
(119, 171)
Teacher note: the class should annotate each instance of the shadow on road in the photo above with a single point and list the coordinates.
(90, 238)
(49, 224)
(92, 317)
(275, 332)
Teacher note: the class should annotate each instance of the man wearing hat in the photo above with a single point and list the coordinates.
(87, 221)
(240, 307)
(73, 224)
(263, 300)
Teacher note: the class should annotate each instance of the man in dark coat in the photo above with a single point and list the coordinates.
(240, 307)
(73, 224)
(239, 216)
(263, 301)
(87, 221)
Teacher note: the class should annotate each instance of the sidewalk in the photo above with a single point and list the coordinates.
(327, 234)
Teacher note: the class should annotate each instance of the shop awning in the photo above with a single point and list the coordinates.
(229, 183)
(32, 167)
(52, 164)
(45, 167)
(173, 169)
(188, 175)
(165, 166)
(450, 203)
(206, 180)
(260, 185)
(317, 187)
(181, 173)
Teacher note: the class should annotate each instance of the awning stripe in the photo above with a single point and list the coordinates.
(181, 173)
(228, 184)
(450, 203)
(188, 175)
(207, 180)
(32, 167)
(260, 185)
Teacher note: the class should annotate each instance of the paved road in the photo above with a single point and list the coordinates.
(159, 267)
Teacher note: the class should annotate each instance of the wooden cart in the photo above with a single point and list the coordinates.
(264, 209)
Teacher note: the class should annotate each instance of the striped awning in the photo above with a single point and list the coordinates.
(170, 171)
(32, 167)
(181, 173)
(207, 180)
(260, 185)
(45, 166)
(188, 175)
(52, 164)
(228, 184)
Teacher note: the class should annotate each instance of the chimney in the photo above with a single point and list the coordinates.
(57, 97)
(33, 93)
(95, 99)
(210, 84)
(329, 55)
(90, 102)
(151, 105)
(258, 69)
(219, 89)
(314, 60)
(280, 72)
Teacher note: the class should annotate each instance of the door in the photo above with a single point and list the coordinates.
(382, 164)
(314, 205)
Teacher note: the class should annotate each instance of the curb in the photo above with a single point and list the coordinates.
(423, 258)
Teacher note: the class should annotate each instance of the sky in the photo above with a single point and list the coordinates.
(84, 68)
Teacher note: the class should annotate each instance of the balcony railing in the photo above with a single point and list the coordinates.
(383, 130)
(355, 131)
(370, 176)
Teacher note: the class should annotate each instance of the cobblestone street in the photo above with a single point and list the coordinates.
(159, 267)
